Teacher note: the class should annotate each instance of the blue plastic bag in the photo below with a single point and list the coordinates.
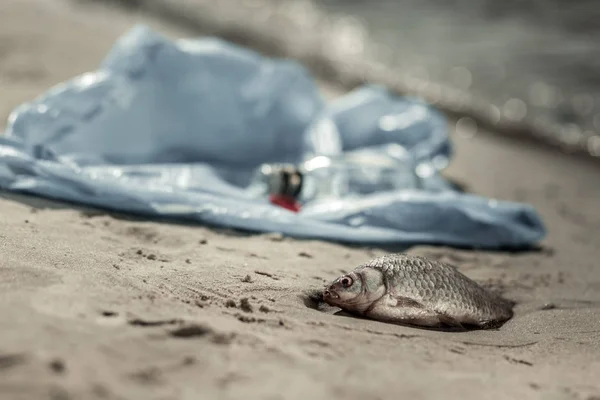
(176, 129)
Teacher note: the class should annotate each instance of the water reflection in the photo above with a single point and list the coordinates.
(535, 59)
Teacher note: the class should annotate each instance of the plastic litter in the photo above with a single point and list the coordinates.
(353, 174)
(185, 129)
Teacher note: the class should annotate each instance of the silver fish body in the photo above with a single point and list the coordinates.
(402, 288)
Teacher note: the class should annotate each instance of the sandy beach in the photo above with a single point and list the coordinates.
(98, 306)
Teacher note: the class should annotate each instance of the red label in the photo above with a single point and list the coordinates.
(286, 202)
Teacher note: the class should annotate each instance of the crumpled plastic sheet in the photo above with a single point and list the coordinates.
(175, 128)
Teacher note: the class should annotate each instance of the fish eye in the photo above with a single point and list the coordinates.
(346, 281)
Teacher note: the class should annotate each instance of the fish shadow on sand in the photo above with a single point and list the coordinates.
(313, 299)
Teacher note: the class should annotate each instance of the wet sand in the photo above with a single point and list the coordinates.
(111, 307)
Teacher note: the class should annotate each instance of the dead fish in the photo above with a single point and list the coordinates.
(413, 290)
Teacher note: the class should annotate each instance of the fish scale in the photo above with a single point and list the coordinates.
(451, 291)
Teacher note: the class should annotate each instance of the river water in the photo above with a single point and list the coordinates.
(534, 58)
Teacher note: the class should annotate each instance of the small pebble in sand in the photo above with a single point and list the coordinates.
(249, 319)
(199, 303)
(247, 279)
(305, 254)
(188, 261)
(151, 257)
(245, 318)
(109, 313)
(245, 305)
(230, 303)
(264, 309)
(203, 241)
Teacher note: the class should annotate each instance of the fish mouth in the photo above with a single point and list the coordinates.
(330, 294)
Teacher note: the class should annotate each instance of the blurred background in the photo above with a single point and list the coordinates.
(521, 65)
(528, 66)
(528, 57)
(532, 59)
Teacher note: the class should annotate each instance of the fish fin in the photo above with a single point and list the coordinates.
(396, 312)
(443, 318)
(491, 324)
(448, 320)
(407, 302)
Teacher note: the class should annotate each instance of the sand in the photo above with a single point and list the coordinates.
(111, 307)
